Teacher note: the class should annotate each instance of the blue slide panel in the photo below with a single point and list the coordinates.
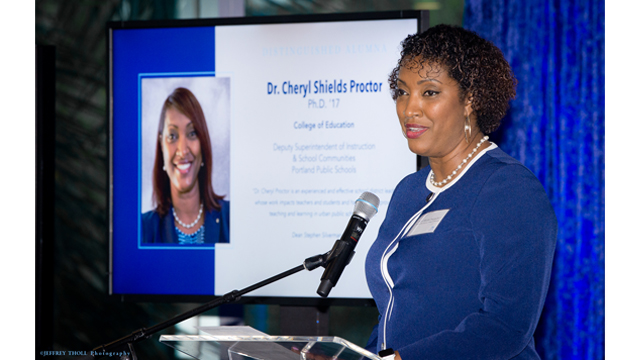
(151, 271)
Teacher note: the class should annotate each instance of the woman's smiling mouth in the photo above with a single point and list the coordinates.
(183, 168)
(414, 131)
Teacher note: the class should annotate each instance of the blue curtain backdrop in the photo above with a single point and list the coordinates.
(556, 128)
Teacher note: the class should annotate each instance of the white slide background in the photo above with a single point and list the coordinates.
(294, 176)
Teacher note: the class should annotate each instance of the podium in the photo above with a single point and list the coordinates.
(244, 342)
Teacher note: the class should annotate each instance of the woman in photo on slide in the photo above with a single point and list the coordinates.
(188, 211)
(462, 262)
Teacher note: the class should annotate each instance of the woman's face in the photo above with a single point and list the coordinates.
(181, 151)
(430, 111)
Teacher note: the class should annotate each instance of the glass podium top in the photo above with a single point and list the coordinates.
(235, 343)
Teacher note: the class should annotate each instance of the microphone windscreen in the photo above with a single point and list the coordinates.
(367, 205)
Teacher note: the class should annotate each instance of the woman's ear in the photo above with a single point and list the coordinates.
(468, 105)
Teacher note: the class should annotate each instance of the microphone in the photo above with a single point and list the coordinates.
(340, 255)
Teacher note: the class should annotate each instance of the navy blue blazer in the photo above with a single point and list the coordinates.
(162, 230)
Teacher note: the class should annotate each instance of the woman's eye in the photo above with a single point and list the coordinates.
(430, 93)
(400, 92)
(171, 137)
(192, 134)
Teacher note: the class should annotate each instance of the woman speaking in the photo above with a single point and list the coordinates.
(461, 265)
(188, 211)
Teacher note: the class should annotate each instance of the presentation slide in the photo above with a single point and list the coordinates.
(313, 127)
(299, 122)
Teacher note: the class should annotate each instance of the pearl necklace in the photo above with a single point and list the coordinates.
(433, 176)
(188, 226)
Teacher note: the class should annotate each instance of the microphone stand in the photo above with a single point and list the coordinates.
(125, 344)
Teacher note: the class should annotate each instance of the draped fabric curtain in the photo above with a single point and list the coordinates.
(556, 128)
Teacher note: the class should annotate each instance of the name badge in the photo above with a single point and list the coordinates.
(428, 222)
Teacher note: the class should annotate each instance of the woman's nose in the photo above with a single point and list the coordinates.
(412, 107)
(182, 148)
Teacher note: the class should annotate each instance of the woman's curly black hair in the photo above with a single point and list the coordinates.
(476, 64)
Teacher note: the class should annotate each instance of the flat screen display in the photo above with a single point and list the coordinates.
(291, 119)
